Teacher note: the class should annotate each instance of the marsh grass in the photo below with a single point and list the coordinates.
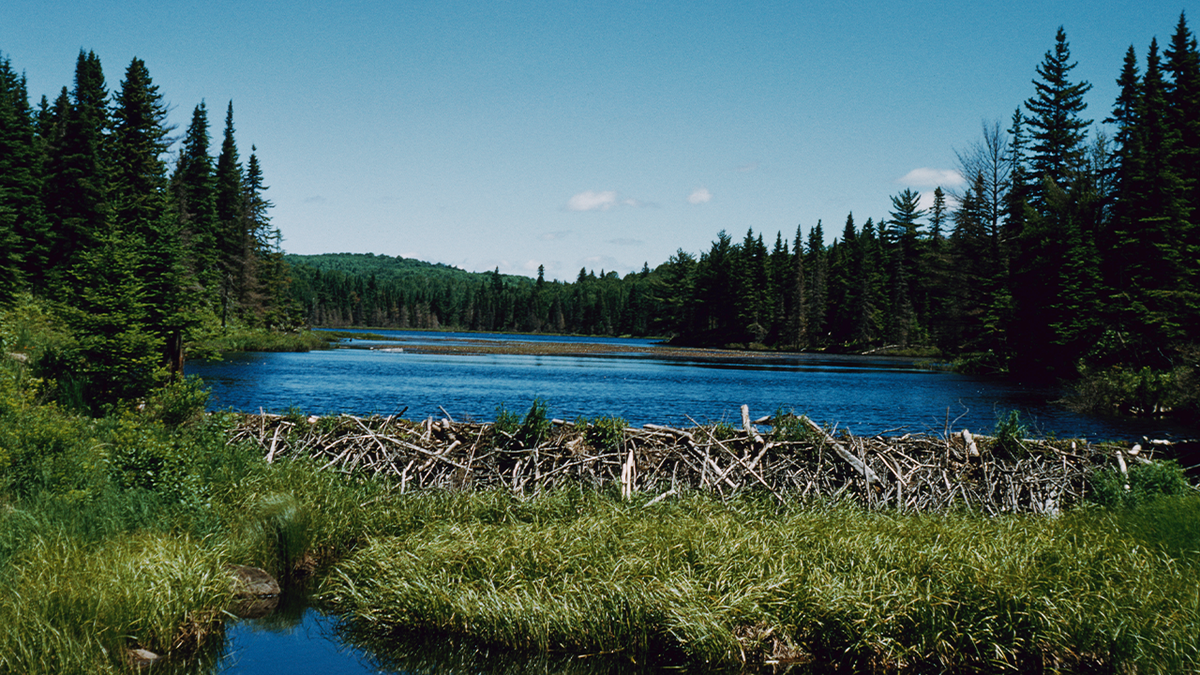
(700, 581)
(236, 339)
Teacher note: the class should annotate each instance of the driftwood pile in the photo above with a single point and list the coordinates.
(791, 458)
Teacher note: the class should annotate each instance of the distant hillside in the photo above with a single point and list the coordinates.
(388, 268)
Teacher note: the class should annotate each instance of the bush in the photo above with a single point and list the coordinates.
(182, 401)
(1009, 432)
(604, 434)
(1147, 482)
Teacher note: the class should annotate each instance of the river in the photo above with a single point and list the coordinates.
(640, 383)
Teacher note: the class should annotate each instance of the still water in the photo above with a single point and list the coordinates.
(866, 395)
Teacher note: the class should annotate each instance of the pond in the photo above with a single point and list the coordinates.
(629, 379)
(420, 375)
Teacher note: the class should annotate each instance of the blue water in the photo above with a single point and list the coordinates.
(866, 395)
(263, 647)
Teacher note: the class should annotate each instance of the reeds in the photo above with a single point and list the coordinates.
(702, 581)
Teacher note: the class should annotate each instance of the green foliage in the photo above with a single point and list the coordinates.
(604, 434)
(181, 401)
(507, 421)
(535, 427)
(1146, 483)
(1008, 435)
(1124, 391)
(788, 427)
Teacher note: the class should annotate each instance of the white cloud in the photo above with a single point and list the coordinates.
(626, 242)
(700, 196)
(554, 236)
(592, 201)
(927, 178)
(600, 263)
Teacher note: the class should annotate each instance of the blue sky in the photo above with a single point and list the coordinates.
(514, 134)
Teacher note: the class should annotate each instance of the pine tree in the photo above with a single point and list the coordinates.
(1057, 130)
(22, 225)
(234, 253)
(77, 175)
(192, 186)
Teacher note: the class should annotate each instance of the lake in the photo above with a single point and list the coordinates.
(627, 378)
(864, 394)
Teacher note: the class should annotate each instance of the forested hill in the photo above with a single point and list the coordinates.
(365, 289)
(382, 267)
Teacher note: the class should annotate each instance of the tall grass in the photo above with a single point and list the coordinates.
(709, 582)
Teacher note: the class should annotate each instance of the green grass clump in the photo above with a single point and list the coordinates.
(603, 434)
(711, 582)
(235, 339)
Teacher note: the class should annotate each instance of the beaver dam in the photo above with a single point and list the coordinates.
(788, 457)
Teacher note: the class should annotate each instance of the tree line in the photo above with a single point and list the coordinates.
(1063, 246)
(138, 255)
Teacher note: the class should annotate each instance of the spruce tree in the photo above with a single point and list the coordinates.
(22, 225)
(1183, 100)
(193, 189)
(78, 168)
(140, 207)
(232, 239)
(1056, 128)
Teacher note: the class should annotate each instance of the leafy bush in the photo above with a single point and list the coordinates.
(535, 426)
(789, 427)
(507, 420)
(604, 434)
(1008, 435)
(1147, 482)
(181, 401)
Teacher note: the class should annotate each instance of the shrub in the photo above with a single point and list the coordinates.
(535, 426)
(604, 434)
(1147, 482)
(1009, 432)
(181, 401)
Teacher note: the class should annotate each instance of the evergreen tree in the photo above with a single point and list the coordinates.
(797, 336)
(140, 207)
(139, 141)
(193, 188)
(1183, 100)
(817, 264)
(77, 176)
(233, 241)
(22, 225)
(1057, 130)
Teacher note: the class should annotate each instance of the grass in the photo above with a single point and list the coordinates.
(114, 533)
(238, 339)
(708, 582)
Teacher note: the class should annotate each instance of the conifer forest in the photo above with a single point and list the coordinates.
(1072, 247)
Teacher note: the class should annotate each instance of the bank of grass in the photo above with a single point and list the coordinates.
(241, 339)
(114, 533)
(702, 581)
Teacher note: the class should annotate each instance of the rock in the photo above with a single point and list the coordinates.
(252, 582)
(142, 658)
